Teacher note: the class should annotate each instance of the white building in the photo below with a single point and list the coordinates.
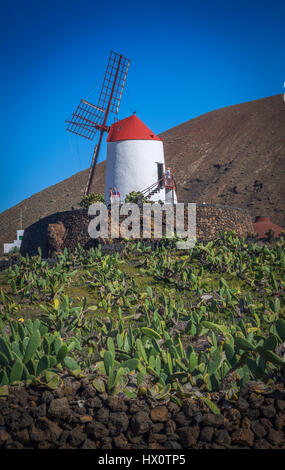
(135, 162)
(16, 244)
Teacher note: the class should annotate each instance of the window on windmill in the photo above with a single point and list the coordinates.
(152, 136)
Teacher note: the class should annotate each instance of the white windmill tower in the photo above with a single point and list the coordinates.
(135, 162)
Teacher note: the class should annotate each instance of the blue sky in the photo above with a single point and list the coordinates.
(187, 58)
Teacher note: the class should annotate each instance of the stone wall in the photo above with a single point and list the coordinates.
(76, 415)
(66, 229)
(213, 219)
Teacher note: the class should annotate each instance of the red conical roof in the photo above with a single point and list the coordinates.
(130, 128)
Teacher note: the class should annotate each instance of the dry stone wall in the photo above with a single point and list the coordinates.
(77, 416)
(66, 229)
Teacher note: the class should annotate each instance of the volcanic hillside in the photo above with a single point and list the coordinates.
(231, 156)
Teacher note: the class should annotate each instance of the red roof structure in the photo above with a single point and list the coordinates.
(130, 128)
(263, 224)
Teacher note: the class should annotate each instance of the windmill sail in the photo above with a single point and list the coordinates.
(114, 80)
(88, 118)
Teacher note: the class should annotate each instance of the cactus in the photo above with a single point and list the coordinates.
(270, 356)
(5, 350)
(110, 345)
(32, 346)
(280, 328)
(211, 405)
(99, 385)
(131, 364)
(70, 363)
(33, 354)
(43, 365)
(193, 361)
(144, 333)
(270, 343)
(108, 361)
(150, 333)
(115, 377)
(62, 353)
(16, 372)
(243, 344)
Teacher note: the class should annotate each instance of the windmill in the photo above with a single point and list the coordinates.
(88, 118)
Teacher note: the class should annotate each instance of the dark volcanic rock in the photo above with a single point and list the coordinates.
(47, 397)
(243, 437)
(97, 430)
(103, 415)
(159, 414)
(59, 409)
(280, 405)
(51, 429)
(121, 442)
(181, 419)
(36, 434)
(275, 437)
(189, 436)
(173, 445)
(38, 411)
(207, 434)
(88, 444)
(76, 437)
(140, 423)
(261, 444)
(256, 400)
(222, 437)
(116, 403)
(258, 429)
(268, 411)
(94, 402)
(213, 420)
(17, 420)
(118, 422)
(170, 426)
(50, 420)
(242, 404)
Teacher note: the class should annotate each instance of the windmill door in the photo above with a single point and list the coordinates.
(159, 171)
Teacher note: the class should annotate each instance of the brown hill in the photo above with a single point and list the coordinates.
(233, 156)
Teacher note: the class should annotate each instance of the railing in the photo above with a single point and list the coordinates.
(159, 184)
(164, 182)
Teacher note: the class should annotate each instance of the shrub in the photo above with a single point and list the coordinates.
(136, 197)
(88, 200)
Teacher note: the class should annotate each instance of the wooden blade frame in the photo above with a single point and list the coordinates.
(114, 82)
(88, 118)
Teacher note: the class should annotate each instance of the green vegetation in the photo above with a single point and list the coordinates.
(136, 197)
(88, 200)
(28, 350)
(156, 321)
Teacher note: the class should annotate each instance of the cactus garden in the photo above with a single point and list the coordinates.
(152, 324)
